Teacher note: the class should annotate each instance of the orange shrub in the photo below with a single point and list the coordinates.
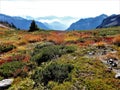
(2, 61)
(2, 33)
(32, 38)
(100, 44)
(116, 40)
(56, 37)
(21, 42)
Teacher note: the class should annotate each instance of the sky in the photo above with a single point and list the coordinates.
(60, 8)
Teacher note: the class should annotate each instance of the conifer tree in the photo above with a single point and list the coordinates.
(33, 26)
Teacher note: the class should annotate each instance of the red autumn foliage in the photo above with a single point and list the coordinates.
(108, 39)
(56, 37)
(32, 38)
(116, 40)
(2, 61)
(23, 58)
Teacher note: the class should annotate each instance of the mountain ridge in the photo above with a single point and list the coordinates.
(20, 22)
(87, 23)
(62, 23)
(113, 20)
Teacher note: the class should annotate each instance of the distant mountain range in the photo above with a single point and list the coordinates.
(56, 25)
(20, 22)
(47, 22)
(87, 23)
(54, 22)
(113, 20)
(62, 23)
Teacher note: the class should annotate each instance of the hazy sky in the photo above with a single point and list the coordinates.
(75, 8)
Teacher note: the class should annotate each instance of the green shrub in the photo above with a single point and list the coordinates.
(98, 84)
(11, 68)
(44, 54)
(53, 72)
(6, 48)
(1, 78)
(108, 31)
(70, 49)
(39, 46)
(24, 84)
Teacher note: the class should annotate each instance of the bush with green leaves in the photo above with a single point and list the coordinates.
(108, 31)
(11, 69)
(41, 45)
(6, 47)
(24, 84)
(70, 49)
(46, 53)
(53, 72)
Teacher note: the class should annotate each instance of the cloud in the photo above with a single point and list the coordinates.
(76, 8)
(64, 20)
(50, 21)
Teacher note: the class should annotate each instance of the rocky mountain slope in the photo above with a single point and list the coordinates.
(87, 23)
(110, 21)
(20, 22)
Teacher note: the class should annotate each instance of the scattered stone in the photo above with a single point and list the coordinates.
(6, 82)
(117, 75)
(91, 53)
(110, 61)
(74, 58)
(114, 64)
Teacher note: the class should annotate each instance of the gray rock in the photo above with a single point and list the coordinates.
(117, 75)
(91, 53)
(114, 64)
(6, 82)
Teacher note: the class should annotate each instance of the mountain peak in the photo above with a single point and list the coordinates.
(87, 23)
(104, 15)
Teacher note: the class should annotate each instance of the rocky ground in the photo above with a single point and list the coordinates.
(108, 56)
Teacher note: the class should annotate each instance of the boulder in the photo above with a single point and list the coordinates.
(6, 82)
(117, 75)
(91, 53)
(110, 61)
(114, 64)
